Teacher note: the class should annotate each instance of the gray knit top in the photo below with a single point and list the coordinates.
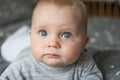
(28, 68)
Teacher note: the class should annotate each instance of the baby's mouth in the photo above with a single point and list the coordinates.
(52, 55)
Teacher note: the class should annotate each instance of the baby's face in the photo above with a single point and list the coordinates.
(55, 37)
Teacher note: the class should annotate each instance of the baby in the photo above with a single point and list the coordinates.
(58, 39)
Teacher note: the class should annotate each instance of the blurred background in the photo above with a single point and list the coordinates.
(103, 29)
(106, 8)
(103, 19)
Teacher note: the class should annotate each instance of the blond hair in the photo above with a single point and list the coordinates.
(78, 4)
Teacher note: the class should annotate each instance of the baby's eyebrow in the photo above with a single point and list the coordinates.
(71, 29)
(39, 27)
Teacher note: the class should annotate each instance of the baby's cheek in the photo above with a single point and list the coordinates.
(72, 50)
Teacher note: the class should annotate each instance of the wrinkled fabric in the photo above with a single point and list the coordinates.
(28, 68)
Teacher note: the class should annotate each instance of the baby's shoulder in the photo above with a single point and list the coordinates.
(85, 61)
(21, 63)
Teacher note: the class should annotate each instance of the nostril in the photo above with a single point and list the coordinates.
(54, 45)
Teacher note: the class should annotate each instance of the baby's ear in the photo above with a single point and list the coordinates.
(87, 39)
(85, 42)
(30, 32)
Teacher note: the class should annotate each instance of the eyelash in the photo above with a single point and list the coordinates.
(64, 34)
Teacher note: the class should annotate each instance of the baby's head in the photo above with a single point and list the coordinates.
(58, 31)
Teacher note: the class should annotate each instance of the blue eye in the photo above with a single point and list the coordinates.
(66, 35)
(43, 33)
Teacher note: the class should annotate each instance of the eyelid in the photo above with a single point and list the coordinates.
(41, 30)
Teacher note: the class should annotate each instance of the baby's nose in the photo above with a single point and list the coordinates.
(54, 44)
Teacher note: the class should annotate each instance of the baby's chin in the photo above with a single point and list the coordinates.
(54, 63)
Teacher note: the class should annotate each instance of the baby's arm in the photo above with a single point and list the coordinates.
(11, 73)
(90, 71)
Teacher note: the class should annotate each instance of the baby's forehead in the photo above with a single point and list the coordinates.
(59, 6)
(68, 9)
(48, 7)
(41, 6)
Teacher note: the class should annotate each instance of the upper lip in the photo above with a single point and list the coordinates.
(51, 52)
